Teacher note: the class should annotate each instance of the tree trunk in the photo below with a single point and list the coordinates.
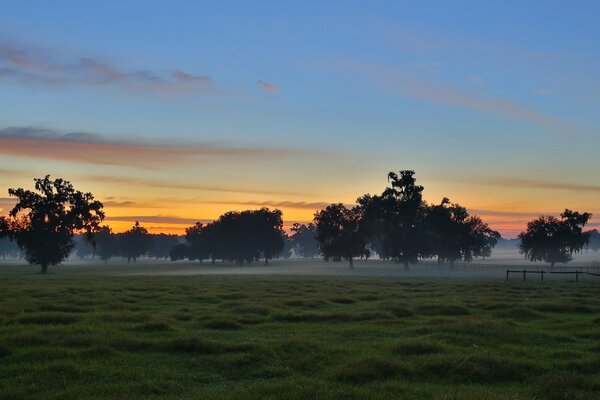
(266, 261)
(213, 261)
(44, 269)
(350, 263)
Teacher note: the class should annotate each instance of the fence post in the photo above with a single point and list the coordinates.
(542, 274)
(506, 274)
(524, 273)
(577, 276)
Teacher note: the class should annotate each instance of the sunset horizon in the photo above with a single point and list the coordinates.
(294, 108)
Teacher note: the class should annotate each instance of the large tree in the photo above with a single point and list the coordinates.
(453, 235)
(198, 241)
(394, 220)
(554, 240)
(340, 233)
(236, 236)
(43, 222)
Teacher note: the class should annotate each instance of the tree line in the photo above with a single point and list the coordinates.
(49, 223)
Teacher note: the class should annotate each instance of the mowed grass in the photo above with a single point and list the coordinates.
(95, 335)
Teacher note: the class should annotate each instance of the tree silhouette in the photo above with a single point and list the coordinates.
(162, 243)
(594, 240)
(106, 243)
(340, 233)
(135, 242)
(236, 236)
(268, 234)
(552, 239)
(304, 240)
(197, 238)
(179, 252)
(454, 235)
(43, 222)
(394, 220)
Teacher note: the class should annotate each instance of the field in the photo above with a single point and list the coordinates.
(87, 332)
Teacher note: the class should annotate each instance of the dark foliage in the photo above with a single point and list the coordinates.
(135, 242)
(340, 233)
(44, 221)
(236, 236)
(304, 240)
(552, 239)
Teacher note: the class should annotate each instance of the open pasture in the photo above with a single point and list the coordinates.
(100, 334)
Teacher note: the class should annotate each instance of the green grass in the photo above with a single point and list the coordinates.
(97, 335)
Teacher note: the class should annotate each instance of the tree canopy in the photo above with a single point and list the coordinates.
(340, 233)
(43, 222)
(554, 240)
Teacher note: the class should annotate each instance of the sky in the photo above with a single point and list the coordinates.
(172, 112)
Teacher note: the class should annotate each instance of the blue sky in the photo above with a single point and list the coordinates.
(494, 104)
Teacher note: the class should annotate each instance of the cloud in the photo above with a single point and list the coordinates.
(267, 87)
(96, 149)
(277, 204)
(542, 92)
(161, 219)
(415, 86)
(431, 67)
(132, 182)
(38, 65)
(118, 204)
(476, 80)
(530, 184)
(6, 204)
(504, 214)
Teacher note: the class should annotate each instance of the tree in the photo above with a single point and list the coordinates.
(288, 246)
(340, 233)
(453, 234)
(394, 220)
(106, 243)
(43, 222)
(269, 234)
(198, 241)
(135, 242)
(83, 248)
(552, 239)
(304, 240)
(594, 240)
(179, 252)
(162, 243)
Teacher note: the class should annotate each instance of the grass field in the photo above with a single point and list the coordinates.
(98, 335)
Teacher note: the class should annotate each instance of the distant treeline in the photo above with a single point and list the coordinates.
(49, 224)
(238, 237)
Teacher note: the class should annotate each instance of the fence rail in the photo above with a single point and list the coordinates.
(524, 272)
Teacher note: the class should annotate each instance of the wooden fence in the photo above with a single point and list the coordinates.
(541, 273)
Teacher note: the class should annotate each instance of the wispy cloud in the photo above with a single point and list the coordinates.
(133, 182)
(267, 87)
(39, 65)
(161, 219)
(532, 184)
(6, 204)
(278, 204)
(433, 91)
(542, 92)
(92, 148)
